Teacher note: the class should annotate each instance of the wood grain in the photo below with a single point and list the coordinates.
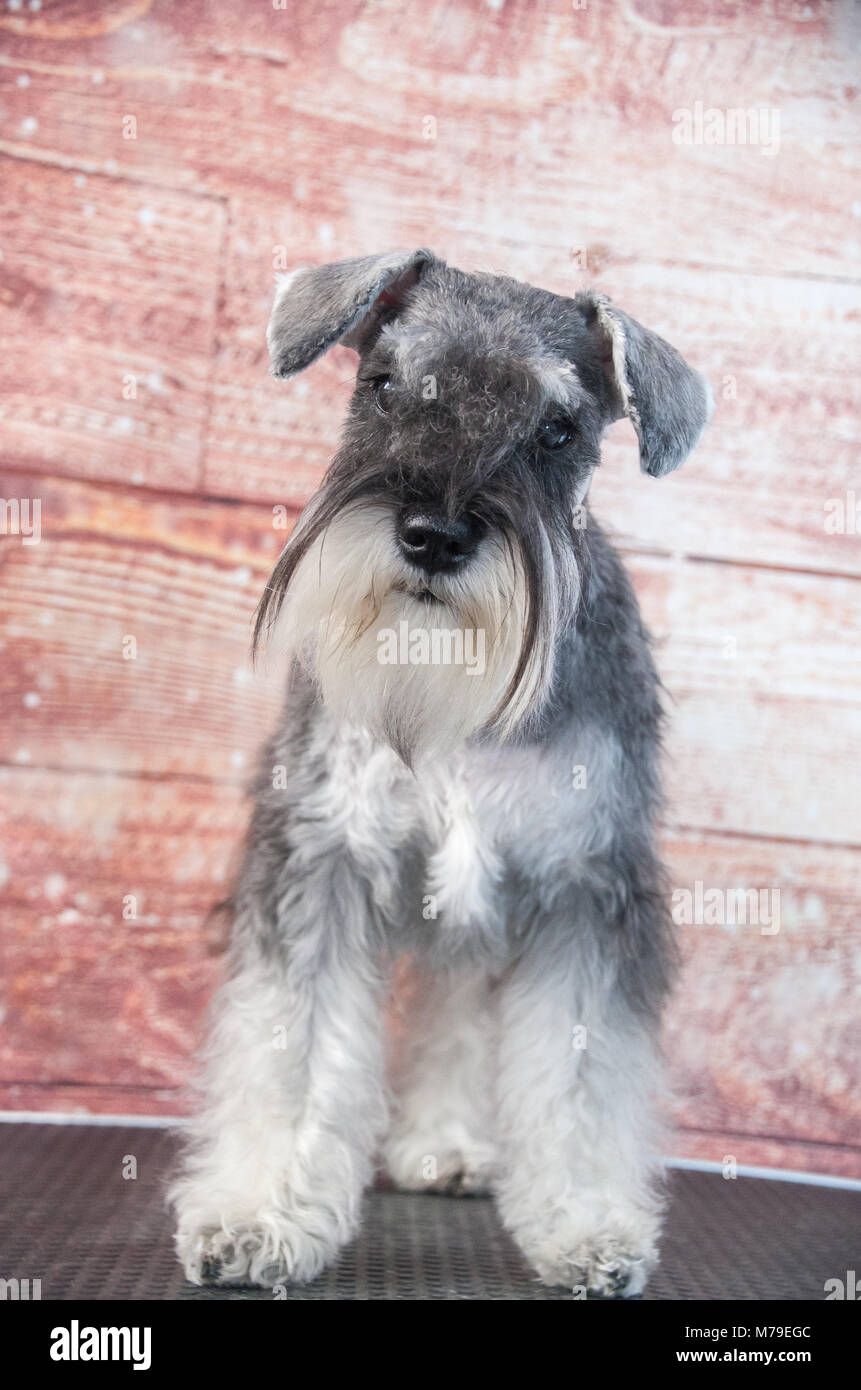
(764, 1026)
(91, 993)
(140, 608)
(106, 289)
(318, 105)
(68, 1098)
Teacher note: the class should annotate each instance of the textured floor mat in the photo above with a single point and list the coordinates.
(69, 1217)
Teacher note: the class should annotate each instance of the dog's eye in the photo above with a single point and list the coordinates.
(383, 394)
(555, 433)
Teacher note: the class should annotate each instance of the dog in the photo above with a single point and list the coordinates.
(466, 774)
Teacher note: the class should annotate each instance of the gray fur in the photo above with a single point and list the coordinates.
(668, 402)
(323, 305)
(550, 911)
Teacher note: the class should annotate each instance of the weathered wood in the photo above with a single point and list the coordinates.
(67, 1098)
(764, 1020)
(107, 320)
(762, 672)
(109, 959)
(325, 105)
(128, 630)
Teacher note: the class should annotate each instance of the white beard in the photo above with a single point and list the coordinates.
(353, 585)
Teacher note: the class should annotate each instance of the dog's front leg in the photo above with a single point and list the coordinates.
(442, 1131)
(278, 1158)
(578, 1142)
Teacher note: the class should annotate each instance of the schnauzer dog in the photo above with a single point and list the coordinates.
(465, 774)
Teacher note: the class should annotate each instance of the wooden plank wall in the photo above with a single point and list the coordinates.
(135, 405)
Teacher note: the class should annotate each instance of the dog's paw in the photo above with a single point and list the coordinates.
(605, 1268)
(603, 1253)
(263, 1253)
(459, 1171)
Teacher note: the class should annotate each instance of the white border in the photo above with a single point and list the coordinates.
(697, 1165)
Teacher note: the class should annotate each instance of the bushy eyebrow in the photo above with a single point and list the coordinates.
(401, 351)
(559, 380)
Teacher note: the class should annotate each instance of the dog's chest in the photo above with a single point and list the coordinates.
(441, 842)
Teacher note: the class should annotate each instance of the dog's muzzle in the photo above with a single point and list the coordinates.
(436, 543)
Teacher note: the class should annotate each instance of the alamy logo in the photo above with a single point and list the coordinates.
(837, 1288)
(76, 1343)
(20, 1290)
(728, 907)
(843, 515)
(435, 646)
(698, 125)
(21, 516)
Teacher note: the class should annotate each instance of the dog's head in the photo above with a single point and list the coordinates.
(428, 581)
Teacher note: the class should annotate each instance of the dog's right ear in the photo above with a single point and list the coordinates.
(345, 302)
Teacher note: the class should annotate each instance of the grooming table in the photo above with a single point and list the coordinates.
(70, 1218)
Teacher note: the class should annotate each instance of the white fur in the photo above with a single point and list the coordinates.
(578, 1137)
(353, 584)
(442, 1134)
(294, 1106)
(489, 1092)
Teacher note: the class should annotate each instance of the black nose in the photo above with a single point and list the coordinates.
(434, 542)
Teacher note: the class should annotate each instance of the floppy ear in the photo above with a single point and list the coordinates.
(668, 403)
(346, 302)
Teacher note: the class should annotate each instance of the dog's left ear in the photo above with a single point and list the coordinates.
(668, 403)
(347, 302)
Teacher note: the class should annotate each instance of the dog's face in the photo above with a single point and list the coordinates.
(454, 505)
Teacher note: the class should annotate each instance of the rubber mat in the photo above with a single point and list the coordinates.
(73, 1216)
